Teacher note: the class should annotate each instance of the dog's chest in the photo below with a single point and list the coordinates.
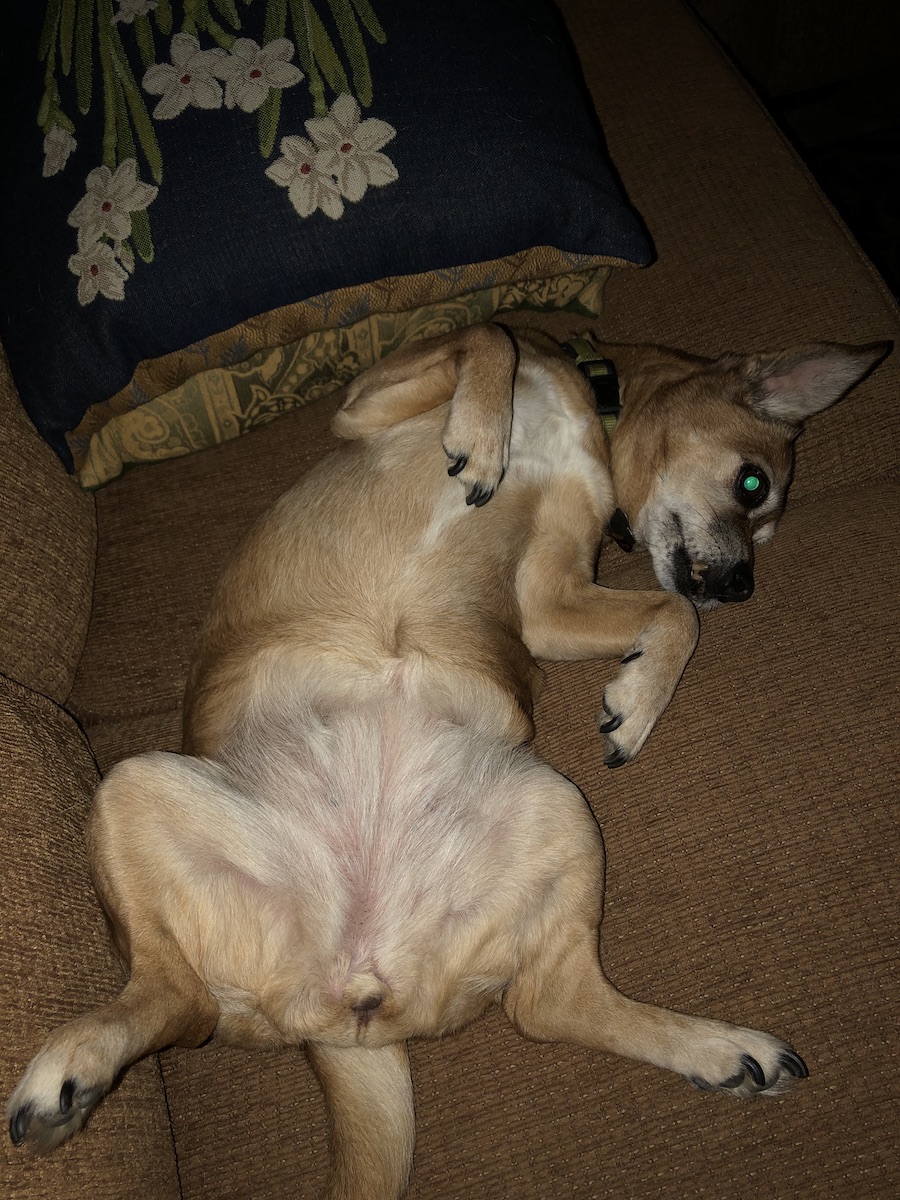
(551, 438)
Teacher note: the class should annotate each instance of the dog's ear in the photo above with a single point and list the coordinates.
(791, 385)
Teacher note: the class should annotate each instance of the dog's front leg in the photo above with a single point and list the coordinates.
(565, 615)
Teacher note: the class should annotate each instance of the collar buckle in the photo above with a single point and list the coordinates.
(600, 373)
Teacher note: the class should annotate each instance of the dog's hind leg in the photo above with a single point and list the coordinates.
(561, 993)
(567, 998)
(370, 1106)
(164, 1002)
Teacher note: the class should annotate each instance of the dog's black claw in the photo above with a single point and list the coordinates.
(66, 1093)
(794, 1064)
(18, 1124)
(754, 1070)
(632, 656)
(479, 495)
(612, 724)
(702, 1084)
(458, 465)
(616, 758)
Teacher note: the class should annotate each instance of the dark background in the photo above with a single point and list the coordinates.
(829, 73)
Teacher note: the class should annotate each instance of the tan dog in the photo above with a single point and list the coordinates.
(357, 846)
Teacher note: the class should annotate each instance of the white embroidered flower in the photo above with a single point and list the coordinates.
(98, 271)
(105, 209)
(350, 148)
(129, 9)
(250, 71)
(58, 145)
(308, 186)
(190, 80)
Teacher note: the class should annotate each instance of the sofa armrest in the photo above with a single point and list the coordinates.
(47, 548)
(56, 961)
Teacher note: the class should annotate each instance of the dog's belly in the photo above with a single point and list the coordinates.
(380, 871)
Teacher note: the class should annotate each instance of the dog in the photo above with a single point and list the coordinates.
(358, 846)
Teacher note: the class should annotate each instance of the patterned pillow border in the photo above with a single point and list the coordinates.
(223, 402)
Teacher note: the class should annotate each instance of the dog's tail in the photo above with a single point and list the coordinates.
(368, 1093)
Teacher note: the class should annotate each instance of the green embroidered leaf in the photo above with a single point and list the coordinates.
(303, 42)
(325, 53)
(219, 35)
(84, 53)
(227, 9)
(269, 114)
(366, 14)
(351, 36)
(49, 28)
(66, 35)
(137, 109)
(143, 32)
(43, 114)
(126, 146)
(140, 234)
(276, 20)
(163, 15)
(110, 139)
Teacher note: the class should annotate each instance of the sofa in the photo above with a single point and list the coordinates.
(751, 848)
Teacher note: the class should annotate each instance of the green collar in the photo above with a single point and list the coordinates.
(601, 374)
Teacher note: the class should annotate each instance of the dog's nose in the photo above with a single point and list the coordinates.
(737, 585)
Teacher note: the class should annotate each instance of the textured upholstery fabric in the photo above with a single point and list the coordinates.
(47, 546)
(751, 848)
(56, 961)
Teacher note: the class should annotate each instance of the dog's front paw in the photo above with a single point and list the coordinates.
(635, 700)
(632, 704)
(479, 485)
(477, 446)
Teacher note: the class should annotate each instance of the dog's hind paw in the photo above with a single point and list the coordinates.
(62, 1084)
(43, 1123)
(746, 1063)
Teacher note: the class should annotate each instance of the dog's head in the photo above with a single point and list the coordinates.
(703, 452)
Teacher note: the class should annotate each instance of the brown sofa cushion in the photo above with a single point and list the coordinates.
(56, 962)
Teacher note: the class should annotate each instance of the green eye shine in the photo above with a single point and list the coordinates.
(751, 486)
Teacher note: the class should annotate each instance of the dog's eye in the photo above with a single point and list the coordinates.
(751, 486)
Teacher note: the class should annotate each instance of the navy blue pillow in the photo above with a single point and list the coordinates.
(166, 177)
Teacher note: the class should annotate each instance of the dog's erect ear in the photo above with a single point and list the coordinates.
(791, 385)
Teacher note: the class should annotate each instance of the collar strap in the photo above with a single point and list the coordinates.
(601, 374)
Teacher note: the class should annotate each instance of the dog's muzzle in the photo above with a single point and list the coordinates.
(708, 583)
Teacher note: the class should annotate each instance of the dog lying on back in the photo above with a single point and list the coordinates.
(357, 846)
